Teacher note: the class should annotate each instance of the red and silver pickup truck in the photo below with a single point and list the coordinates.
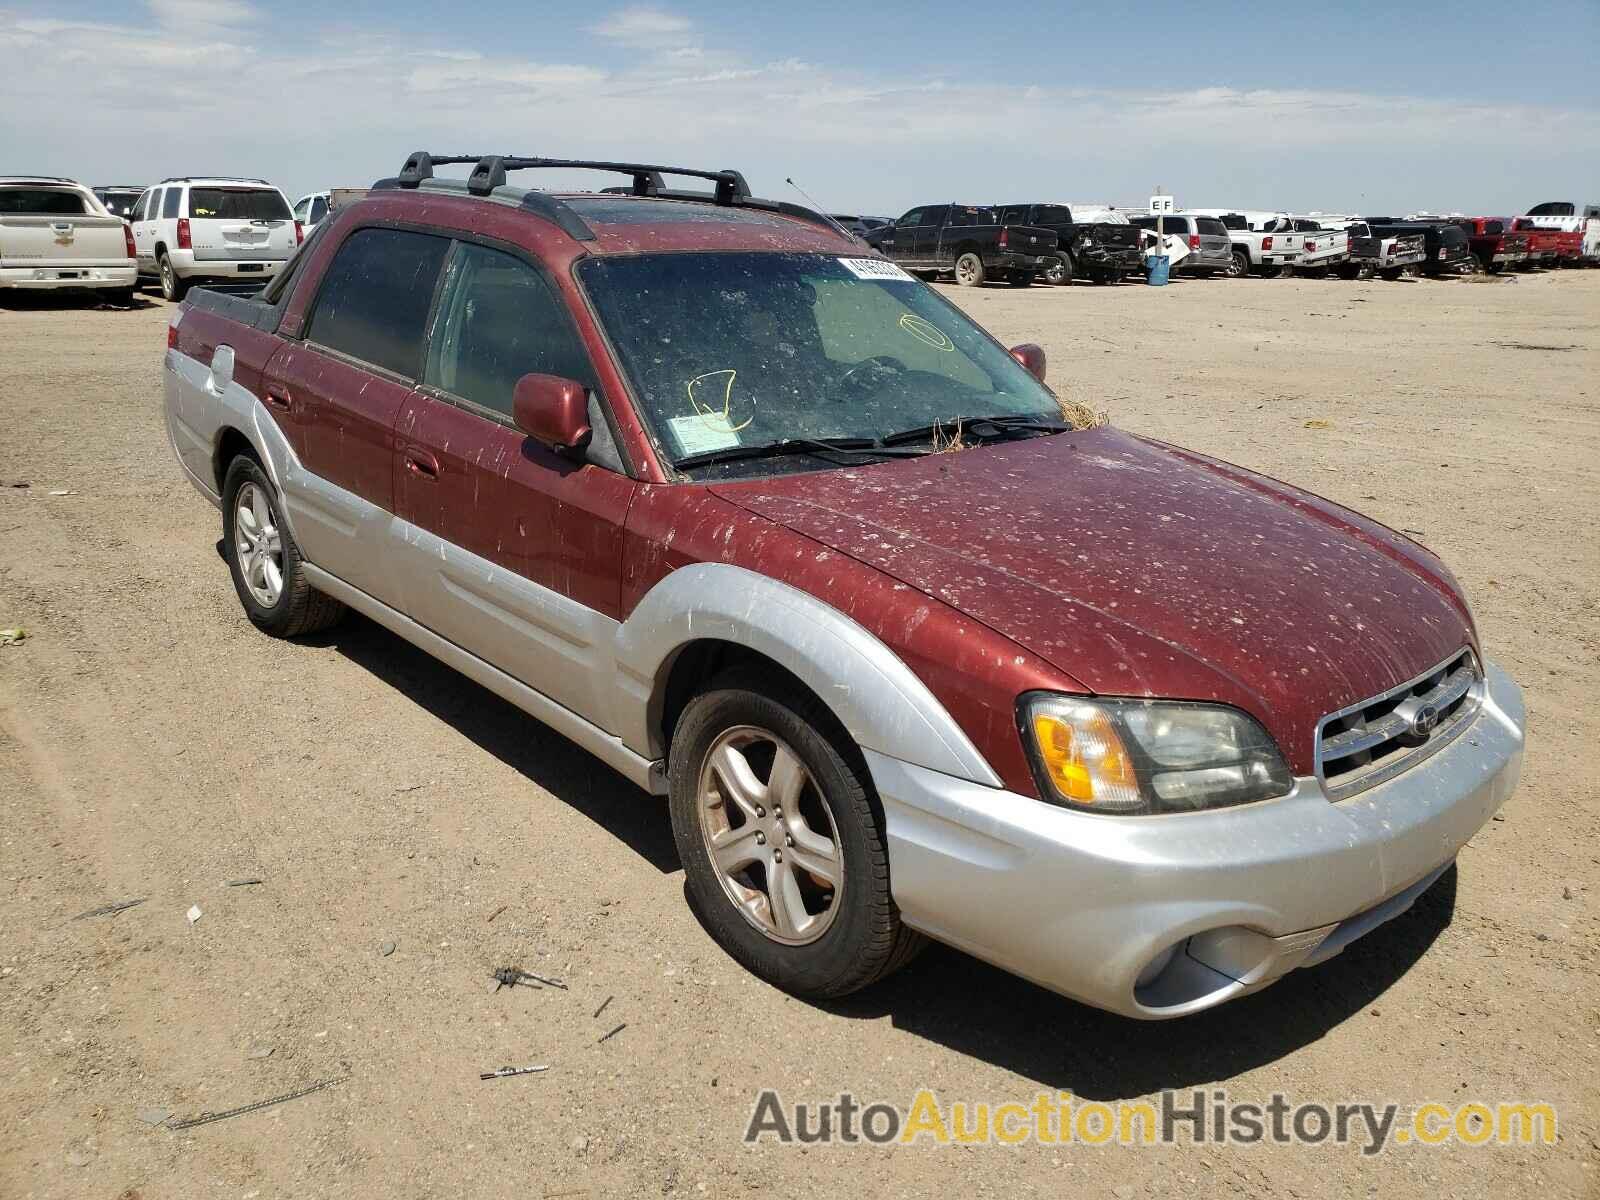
(1545, 247)
(776, 531)
(1567, 217)
(1495, 244)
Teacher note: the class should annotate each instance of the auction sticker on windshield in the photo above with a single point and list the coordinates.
(699, 432)
(874, 268)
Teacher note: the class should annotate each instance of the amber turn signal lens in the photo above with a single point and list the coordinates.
(1086, 760)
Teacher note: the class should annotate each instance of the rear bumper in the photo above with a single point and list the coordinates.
(186, 266)
(1156, 917)
(1007, 260)
(1206, 260)
(50, 278)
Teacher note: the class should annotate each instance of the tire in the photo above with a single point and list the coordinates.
(1102, 276)
(1240, 266)
(969, 270)
(1020, 279)
(1493, 268)
(294, 607)
(1271, 271)
(1348, 271)
(173, 287)
(1391, 273)
(123, 297)
(1059, 269)
(837, 945)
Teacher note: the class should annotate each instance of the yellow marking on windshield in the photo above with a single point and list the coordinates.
(925, 331)
(710, 413)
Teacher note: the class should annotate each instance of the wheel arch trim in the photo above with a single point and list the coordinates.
(881, 703)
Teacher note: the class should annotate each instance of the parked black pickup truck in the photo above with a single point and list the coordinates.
(1447, 245)
(1095, 250)
(969, 240)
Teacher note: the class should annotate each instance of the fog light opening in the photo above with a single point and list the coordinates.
(1153, 968)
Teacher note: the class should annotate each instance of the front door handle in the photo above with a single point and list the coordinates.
(280, 400)
(420, 463)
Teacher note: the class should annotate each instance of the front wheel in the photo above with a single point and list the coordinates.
(264, 559)
(969, 270)
(782, 839)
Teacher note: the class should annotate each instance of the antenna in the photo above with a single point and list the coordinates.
(822, 211)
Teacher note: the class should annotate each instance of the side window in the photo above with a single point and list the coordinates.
(139, 207)
(914, 217)
(498, 321)
(302, 207)
(319, 209)
(153, 209)
(934, 215)
(374, 301)
(169, 204)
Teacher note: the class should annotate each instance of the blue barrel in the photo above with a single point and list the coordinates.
(1160, 269)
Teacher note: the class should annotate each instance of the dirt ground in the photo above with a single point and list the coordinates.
(153, 745)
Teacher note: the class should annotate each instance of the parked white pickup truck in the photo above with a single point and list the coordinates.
(1325, 245)
(56, 235)
(1388, 257)
(1264, 244)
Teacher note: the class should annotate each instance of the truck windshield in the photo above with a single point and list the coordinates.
(237, 204)
(725, 350)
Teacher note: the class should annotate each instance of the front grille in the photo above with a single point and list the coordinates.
(1367, 743)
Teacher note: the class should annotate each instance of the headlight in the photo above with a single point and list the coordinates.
(1149, 756)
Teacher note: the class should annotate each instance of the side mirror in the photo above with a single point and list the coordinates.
(552, 410)
(1031, 357)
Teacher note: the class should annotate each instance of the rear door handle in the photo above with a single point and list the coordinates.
(280, 400)
(420, 462)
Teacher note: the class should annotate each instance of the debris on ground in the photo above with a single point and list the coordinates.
(507, 1072)
(207, 1118)
(605, 1037)
(511, 976)
(1318, 423)
(110, 910)
(386, 949)
(261, 1050)
(154, 1116)
(63, 492)
(242, 882)
(194, 913)
(497, 912)
(602, 1008)
(1566, 893)
(10, 637)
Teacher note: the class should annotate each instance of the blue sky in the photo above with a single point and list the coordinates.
(1357, 107)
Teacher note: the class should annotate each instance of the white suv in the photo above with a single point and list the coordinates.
(55, 234)
(190, 230)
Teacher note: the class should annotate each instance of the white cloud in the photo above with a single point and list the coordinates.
(191, 14)
(644, 25)
(346, 108)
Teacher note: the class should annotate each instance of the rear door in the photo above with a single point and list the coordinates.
(144, 235)
(515, 550)
(338, 391)
(239, 223)
(58, 229)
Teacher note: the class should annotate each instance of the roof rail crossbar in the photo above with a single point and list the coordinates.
(421, 164)
(488, 174)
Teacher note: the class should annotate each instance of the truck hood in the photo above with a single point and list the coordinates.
(1140, 569)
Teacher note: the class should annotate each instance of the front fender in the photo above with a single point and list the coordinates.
(879, 700)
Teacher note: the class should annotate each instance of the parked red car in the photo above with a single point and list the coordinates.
(777, 531)
(1544, 245)
(1494, 243)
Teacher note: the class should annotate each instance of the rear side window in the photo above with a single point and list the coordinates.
(237, 204)
(169, 205)
(1211, 227)
(41, 202)
(319, 209)
(498, 321)
(374, 301)
(972, 216)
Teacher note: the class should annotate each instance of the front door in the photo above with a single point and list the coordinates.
(512, 550)
(338, 393)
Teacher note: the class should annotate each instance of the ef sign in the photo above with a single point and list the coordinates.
(1163, 204)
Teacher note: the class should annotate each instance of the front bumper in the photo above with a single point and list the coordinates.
(51, 278)
(1162, 916)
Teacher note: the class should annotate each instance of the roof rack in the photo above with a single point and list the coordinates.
(489, 172)
(218, 178)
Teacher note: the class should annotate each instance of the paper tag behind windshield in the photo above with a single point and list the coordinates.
(874, 268)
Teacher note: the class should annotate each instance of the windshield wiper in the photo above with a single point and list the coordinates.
(786, 446)
(982, 428)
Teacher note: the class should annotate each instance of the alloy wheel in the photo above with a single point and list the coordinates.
(258, 545)
(770, 835)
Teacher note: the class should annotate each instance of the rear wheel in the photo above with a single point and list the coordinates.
(265, 561)
(172, 287)
(1271, 271)
(969, 270)
(123, 297)
(782, 839)
(1391, 273)
(1239, 267)
(1349, 270)
(1020, 279)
